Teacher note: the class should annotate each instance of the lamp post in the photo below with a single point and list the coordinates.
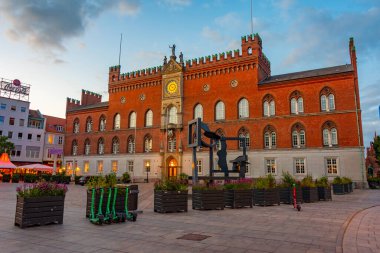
(147, 168)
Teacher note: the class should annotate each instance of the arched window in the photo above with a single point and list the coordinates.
(116, 122)
(172, 141)
(100, 146)
(132, 120)
(76, 126)
(148, 143)
(131, 144)
(173, 115)
(243, 133)
(102, 123)
(115, 145)
(220, 113)
(149, 118)
(329, 134)
(87, 147)
(243, 108)
(270, 137)
(327, 99)
(74, 147)
(298, 136)
(296, 102)
(88, 125)
(269, 107)
(198, 111)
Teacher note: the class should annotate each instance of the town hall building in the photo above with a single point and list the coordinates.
(306, 123)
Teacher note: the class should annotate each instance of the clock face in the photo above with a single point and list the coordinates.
(171, 87)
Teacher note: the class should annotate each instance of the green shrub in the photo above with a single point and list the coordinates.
(240, 184)
(337, 180)
(126, 178)
(15, 178)
(267, 182)
(346, 180)
(111, 180)
(170, 185)
(323, 182)
(6, 178)
(183, 176)
(308, 181)
(287, 179)
(46, 177)
(30, 178)
(96, 182)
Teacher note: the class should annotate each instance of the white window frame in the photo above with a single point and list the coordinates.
(76, 127)
(148, 144)
(271, 162)
(149, 118)
(220, 111)
(198, 111)
(173, 115)
(247, 140)
(89, 125)
(296, 163)
(115, 146)
(132, 120)
(117, 120)
(330, 137)
(327, 164)
(131, 145)
(102, 125)
(200, 166)
(131, 165)
(87, 148)
(243, 108)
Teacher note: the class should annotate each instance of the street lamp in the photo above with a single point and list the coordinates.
(147, 168)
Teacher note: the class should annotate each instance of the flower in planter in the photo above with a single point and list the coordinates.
(207, 186)
(41, 189)
(308, 182)
(170, 185)
(322, 182)
(267, 182)
(240, 184)
(337, 180)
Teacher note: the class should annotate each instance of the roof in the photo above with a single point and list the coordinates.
(52, 123)
(35, 114)
(85, 107)
(308, 74)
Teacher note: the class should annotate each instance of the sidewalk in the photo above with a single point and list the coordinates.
(346, 224)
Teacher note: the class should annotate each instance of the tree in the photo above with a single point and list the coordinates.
(5, 145)
(376, 146)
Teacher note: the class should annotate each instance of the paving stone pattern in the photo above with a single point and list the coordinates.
(349, 223)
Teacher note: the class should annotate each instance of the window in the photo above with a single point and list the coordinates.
(13, 108)
(87, 147)
(19, 136)
(99, 167)
(199, 166)
(32, 152)
(132, 120)
(149, 118)
(243, 133)
(148, 143)
(23, 109)
(59, 128)
(38, 137)
(243, 108)
(76, 126)
(115, 145)
(10, 134)
(11, 121)
(329, 134)
(298, 136)
(269, 108)
(299, 166)
(332, 166)
(60, 139)
(270, 165)
(173, 115)
(198, 111)
(30, 136)
(16, 152)
(1, 120)
(220, 111)
(116, 124)
(270, 137)
(296, 102)
(130, 165)
(86, 166)
(88, 125)
(131, 145)
(102, 124)
(3, 106)
(21, 122)
(114, 166)
(50, 139)
(100, 146)
(74, 147)
(327, 99)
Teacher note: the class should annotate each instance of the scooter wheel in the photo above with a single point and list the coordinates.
(298, 208)
(134, 217)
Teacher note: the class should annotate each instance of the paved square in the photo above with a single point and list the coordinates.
(349, 223)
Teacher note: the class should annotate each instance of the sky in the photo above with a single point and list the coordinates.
(62, 46)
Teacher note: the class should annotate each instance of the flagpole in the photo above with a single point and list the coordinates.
(121, 38)
(251, 19)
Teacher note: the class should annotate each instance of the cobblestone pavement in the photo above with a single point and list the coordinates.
(349, 223)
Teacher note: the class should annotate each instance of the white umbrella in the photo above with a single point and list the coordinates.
(37, 166)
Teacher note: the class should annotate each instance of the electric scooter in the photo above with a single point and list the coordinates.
(295, 204)
(127, 215)
(99, 217)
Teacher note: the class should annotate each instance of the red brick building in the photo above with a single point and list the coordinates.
(371, 162)
(307, 122)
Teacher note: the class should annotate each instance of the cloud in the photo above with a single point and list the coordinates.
(211, 34)
(283, 4)
(46, 24)
(230, 20)
(177, 3)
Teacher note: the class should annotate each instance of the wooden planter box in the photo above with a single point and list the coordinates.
(324, 193)
(350, 187)
(39, 210)
(208, 199)
(120, 200)
(310, 194)
(338, 189)
(286, 195)
(238, 198)
(266, 197)
(346, 188)
(170, 201)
